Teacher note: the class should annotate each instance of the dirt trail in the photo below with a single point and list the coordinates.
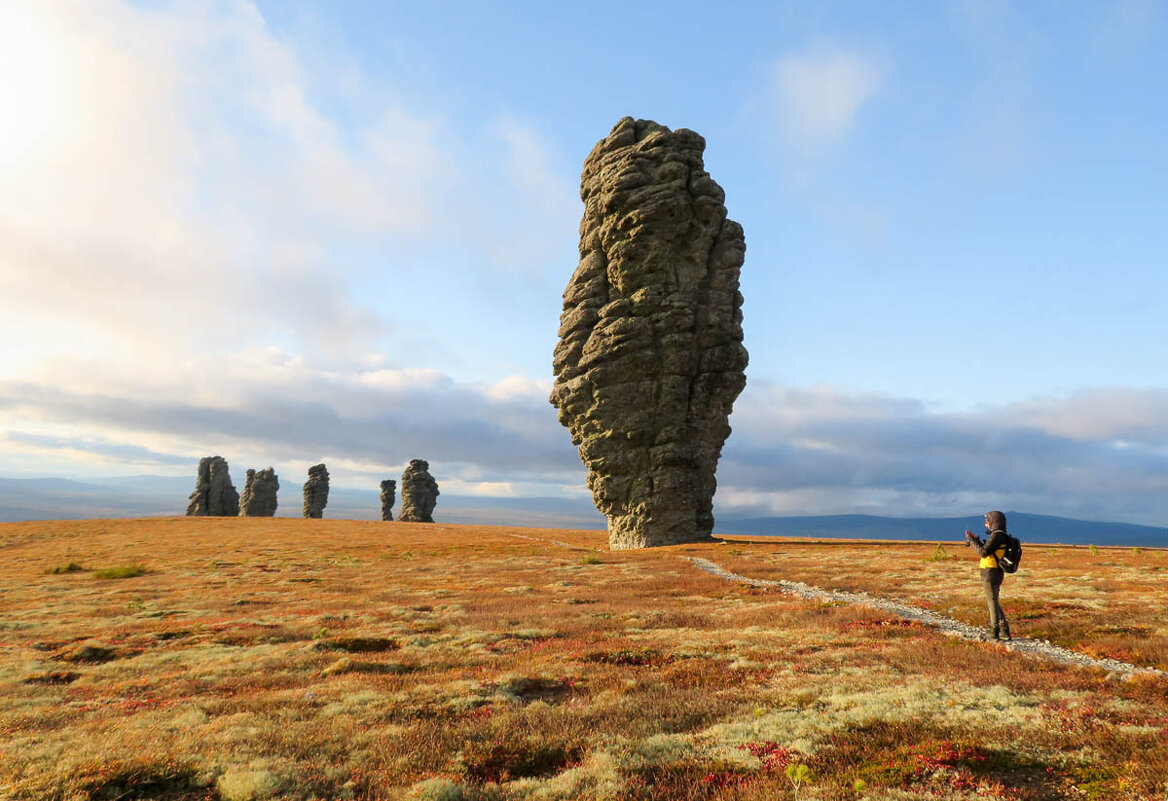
(1040, 649)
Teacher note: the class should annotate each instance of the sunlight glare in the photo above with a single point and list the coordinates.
(42, 81)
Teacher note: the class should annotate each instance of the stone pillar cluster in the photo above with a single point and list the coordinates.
(215, 495)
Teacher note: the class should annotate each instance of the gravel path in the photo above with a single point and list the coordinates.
(1040, 649)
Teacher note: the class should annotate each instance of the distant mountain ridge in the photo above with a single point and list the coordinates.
(149, 496)
(157, 496)
(1027, 527)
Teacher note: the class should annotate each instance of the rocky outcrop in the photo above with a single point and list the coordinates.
(419, 493)
(316, 491)
(259, 494)
(388, 496)
(214, 494)
(650, 357)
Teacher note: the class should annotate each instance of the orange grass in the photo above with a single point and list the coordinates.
(1110, 602)
(305, 659)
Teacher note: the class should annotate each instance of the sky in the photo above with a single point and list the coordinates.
(291, 232)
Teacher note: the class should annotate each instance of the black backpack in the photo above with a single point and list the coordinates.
(1013, 555)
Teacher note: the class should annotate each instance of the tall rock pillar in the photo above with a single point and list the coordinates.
(214, 494)
(650, 357)
(316, 491)
(259, 494)
(388, 493)
(419, 493)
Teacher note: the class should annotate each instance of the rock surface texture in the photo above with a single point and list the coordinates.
(214, 494)
(419, 493)
(650, 357)
(259, 494)
(388, 496)
(316, 491)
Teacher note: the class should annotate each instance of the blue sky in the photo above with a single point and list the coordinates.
(293, 232)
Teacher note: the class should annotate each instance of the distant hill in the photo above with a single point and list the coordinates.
(59, 498)
(1027, 527)
(150, 496)
(153, 496)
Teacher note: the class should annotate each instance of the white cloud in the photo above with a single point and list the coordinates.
(171, 186)
(1116, 415)
(818, 93)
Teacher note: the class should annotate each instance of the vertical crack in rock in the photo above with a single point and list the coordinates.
(214, 494)
(316, 491)
(388, 493)
(259, 494)
(419, 493)
(650, 357)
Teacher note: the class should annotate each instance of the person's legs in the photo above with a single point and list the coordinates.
(991, 588)
(991, 600)
(992, 584)
(999, 574)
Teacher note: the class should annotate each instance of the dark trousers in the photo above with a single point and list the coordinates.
(991, 582)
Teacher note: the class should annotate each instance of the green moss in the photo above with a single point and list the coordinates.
(72, 567)
(1096, 782)
(126, 571)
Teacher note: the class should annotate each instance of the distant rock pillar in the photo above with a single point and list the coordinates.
(388, 496)
(316, 491)
(259, 494)
(650, 357)
(214, 494)
(419, 493)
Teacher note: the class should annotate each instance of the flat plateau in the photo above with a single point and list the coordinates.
(240, 659)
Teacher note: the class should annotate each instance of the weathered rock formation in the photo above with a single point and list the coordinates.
(214, 494)
(316, 491)
(259, 494)
(388, 496)
(650, 357)
(419, 493)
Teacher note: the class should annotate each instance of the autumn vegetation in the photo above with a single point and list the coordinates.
(258, 658)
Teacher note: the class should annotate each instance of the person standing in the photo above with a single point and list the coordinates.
(991, 550)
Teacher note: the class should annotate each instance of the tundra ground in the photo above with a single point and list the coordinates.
(245, 659)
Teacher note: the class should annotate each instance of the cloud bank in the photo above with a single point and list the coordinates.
(1096, 455)
(818, 451)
